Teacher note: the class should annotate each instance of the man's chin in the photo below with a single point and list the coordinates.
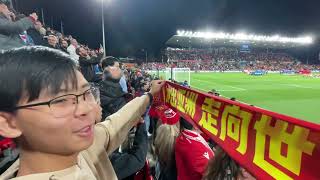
(84, 142)
(83, 145)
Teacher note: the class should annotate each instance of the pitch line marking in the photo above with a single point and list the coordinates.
(233, 87)
(299, 86)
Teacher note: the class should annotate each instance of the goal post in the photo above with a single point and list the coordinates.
(179, 74)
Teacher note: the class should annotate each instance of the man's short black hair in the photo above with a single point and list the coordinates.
(184, 124)
(78, 50)
(61, 40)
(108, 61)
(25, 72)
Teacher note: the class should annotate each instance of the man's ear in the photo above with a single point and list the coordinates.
(8, 126)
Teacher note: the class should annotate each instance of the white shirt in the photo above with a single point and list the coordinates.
(72, 51)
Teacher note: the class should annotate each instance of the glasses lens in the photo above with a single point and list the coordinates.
(66, 105)
(92, 95)
(63, 106)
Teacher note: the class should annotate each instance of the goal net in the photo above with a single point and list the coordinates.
(179, 74)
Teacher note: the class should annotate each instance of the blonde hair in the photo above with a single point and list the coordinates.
(222, 166)
(165, 142)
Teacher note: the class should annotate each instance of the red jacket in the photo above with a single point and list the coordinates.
(192, 154)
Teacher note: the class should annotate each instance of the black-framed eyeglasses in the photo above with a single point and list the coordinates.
(65, 105)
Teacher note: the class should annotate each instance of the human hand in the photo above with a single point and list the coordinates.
(156, 86)
(34, 16)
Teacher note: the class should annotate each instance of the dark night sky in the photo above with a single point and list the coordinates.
(147, 24)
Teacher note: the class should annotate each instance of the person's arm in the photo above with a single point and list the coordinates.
(91, 61)
(16, 27)
(119, 124)
(96, 60)
(126, 164)
(111, 133)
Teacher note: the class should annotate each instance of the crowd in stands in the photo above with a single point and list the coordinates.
(229, 59)
(17, 30)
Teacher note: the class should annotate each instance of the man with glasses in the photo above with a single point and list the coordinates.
(50, 110)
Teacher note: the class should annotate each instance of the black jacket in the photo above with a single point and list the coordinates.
(112, 97)
(87, 68)
(37, 37)
(168, 173)
(64, 50)
(127, 164)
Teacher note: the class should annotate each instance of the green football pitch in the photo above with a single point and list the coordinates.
(293, 95)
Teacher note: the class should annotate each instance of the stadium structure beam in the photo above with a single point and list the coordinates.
(103, 30)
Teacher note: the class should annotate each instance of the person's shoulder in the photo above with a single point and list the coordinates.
(189, 143)
(181, 140)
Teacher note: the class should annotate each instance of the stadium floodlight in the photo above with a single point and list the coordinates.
(304, 40)
(103, 26)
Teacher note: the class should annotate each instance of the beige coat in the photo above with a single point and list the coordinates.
(93, 163)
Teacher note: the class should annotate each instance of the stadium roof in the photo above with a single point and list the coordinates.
(208, 39)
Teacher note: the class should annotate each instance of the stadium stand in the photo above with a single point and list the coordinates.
(229, 59)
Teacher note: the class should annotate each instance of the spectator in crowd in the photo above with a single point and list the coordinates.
(192, 153)
(224, 167)
(48, 30)
(64, 46)
(164, 150)
(59, 36)
(137, 80)
(37, 34)
(142, 86)
(53, 42)
(185, 83)
(57, 138)
(10, 30)
(123, 81)
(212, 92)
(112, 96)
(73, 48)
(127, 163)
(87, 65)
(92, 53)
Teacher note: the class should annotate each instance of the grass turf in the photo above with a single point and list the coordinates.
(293, 95)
